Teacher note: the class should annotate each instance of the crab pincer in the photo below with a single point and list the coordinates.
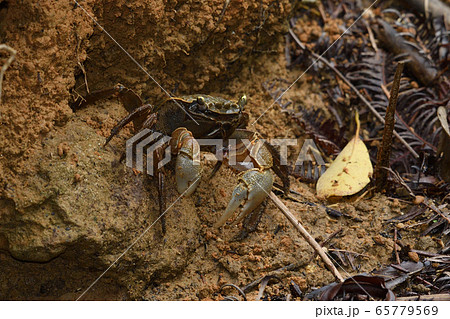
(188, 169)
(255, 182)
(254, 186)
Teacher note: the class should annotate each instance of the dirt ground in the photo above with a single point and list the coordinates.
(69, 208)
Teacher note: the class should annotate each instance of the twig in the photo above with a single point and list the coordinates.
(263, 286)
(363, 194)
(360, 96)
(437, 297)
(235, 287)
(371, 37)
(5, 66)
(397, 257)
(422, 68)
(306, 235)
(433, 207)
(323, 243)
(256, 282)
(426, 253)
(426, 282)
(435, 8)
(222, 13)
(398, 179)
(384, 153)
(348, 252)
(444, 145)
(85, 76)
(401, 269)
(331, 237)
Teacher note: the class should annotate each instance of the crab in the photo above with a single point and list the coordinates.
(192, 117)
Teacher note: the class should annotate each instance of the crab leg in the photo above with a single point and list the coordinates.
(188, 169)
(161, 192)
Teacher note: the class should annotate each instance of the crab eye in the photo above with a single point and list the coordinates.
(242, 101)
(201, 103)
(201, 100)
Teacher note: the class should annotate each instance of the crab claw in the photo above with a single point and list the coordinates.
(188, 169)
(187, 174)
(254, 186)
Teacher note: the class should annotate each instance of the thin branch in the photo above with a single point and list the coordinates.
(323, 243)
(256, 282)
(433, 207)
(306, 236)
(348, 252)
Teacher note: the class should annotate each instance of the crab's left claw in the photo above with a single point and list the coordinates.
(254, 186)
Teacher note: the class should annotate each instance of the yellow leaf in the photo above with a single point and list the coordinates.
(349, 173)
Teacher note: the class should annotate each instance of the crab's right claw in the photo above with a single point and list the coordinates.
(188, 174)
(254, 186)
(188, 168)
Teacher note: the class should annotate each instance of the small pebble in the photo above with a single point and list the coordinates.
(222, 192)
(379, 240)
(418, 200)
(77, 178)
(400, 225)
(413, 256)
(395, 203)
(63, 149)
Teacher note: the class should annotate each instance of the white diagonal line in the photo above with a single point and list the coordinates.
(314, 62)
(133, 59)
(136, 240)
